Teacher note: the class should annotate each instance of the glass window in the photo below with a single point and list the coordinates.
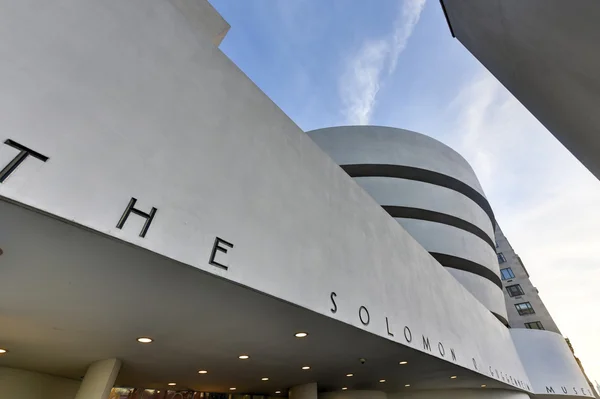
(501, 258)
(534, 325)
(515, 290)
(507, 273)
(524, 308)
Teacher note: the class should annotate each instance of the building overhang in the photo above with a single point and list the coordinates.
(88, 296)
(545, 53)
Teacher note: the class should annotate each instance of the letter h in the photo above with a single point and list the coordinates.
(130, 209)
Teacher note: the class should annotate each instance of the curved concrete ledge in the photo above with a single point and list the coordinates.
(549, 363)
(450, 240)
(467, 266)
(423, 195)
(386, 145)
(402, 212)
(486, 292)
(421, 175)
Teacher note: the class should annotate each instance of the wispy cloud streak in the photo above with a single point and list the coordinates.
(373, 63)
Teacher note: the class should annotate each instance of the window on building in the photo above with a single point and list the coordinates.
(501, 258)
(524, 308)
(497, 245)
(534, 325)
(515, 290)
(507, 273)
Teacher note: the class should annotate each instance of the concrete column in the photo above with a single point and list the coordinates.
(99, 379)
(306, 391)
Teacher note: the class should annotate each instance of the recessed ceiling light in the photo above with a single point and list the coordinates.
(350, 375)
(344, 388)
(382, 381)
(202, 372)
(483, 385)
(305, 367)
(301, 334)
(172, 383)
(144, 340)
(232, 389)
(3, 351)
(265, 378)
(277, 391)
(403, 362)
(407, 385)
(244, 357)
(453, 377)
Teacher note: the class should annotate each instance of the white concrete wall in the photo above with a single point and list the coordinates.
(483, 289)
(166, 118)
(549, 362)
(426, 196)
(449, 240)
(347, 145)
(202, 16)
(442, 238)
(21, 384)
(357, 145)
(461, 394)
(130, 100)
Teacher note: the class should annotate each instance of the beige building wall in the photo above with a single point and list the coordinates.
(21, 384)
(508, 259)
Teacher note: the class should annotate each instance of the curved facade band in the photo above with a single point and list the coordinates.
(432, 192)
(422, 175)
(430, 197)
(464, 264)
(432, 216)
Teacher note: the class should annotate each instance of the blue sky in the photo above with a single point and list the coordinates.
(394, 63)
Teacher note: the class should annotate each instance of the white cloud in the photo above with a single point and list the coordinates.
(373, 62)
(403, 29)
(545, 201)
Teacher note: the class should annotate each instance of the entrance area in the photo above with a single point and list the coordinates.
(140, 393)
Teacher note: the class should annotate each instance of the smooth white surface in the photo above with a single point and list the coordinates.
(202, 15)
(99, 379)
(128, 100)
(450, 240)
(461, 394)
(22, 384)
(381, 145)
(385, 145)
(166, 118)
(483, 289)
(549, 363)
(92, 295)
(416, 194)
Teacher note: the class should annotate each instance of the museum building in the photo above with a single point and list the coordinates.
(167, 232)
